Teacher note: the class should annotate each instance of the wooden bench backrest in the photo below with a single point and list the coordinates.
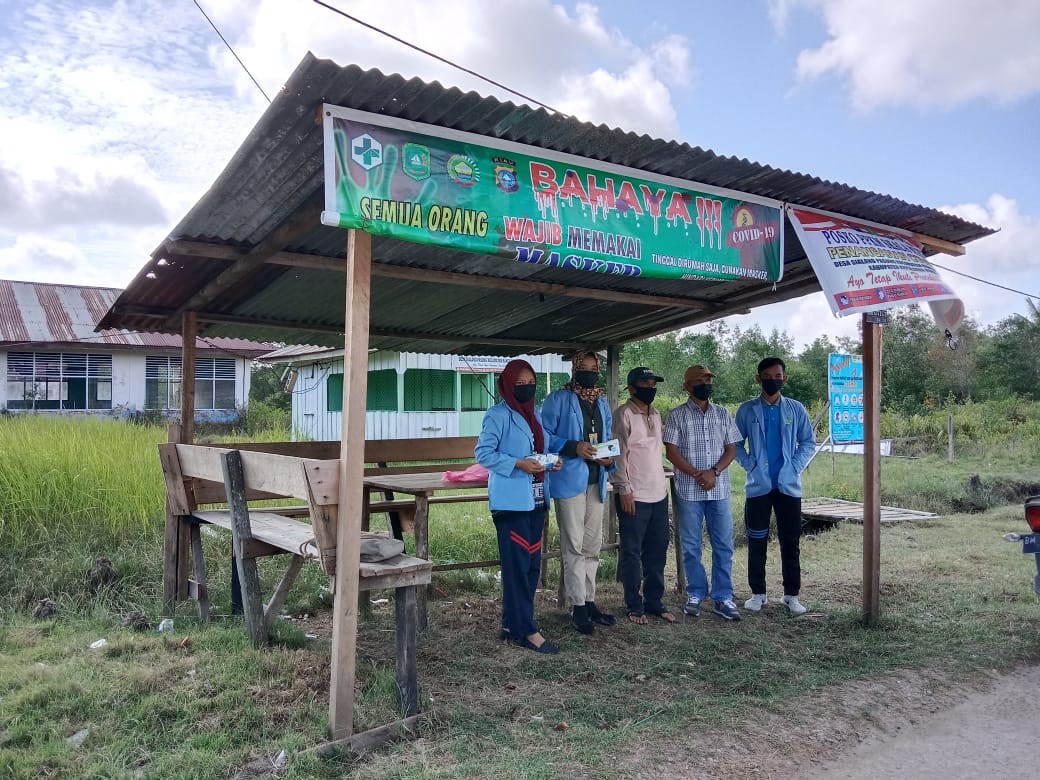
(195, 475)
(308, 471)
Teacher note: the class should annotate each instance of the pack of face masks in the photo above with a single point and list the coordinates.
(608, 449)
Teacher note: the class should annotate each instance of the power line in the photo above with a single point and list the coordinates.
(983, 281)
(232, 51)
(439, 58)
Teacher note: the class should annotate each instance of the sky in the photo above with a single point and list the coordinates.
(115, 117)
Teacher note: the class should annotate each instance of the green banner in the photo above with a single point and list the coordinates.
(483, 195)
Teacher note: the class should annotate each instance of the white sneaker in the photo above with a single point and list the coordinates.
(756, 602)
(793, 604)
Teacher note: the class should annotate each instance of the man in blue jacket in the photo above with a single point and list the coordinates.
(778, 444)
(577, 418)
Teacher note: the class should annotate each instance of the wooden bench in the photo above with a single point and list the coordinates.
(198, 475)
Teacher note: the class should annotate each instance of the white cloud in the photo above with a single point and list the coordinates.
(41, 259)
(572, 62)
(1007, 258)
(926, 52)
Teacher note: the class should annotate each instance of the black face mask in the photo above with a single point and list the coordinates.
(645, 394)
(772, 386)
(702, 392)
(524, 393)
(586, 378)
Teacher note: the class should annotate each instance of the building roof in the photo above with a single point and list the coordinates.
(35, 315)
(252, 259)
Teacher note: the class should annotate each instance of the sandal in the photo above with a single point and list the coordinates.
(665, 615)
(638, 618)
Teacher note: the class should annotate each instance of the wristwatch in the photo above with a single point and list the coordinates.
(717, 472)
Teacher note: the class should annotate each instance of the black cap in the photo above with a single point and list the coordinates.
(640, 373)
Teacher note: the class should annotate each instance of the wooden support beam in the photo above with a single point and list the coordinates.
(351, 484)
(406, 273)
(367, 740)
(871, 468)
(940, 245)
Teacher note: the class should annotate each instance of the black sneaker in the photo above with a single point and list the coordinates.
(602, 618)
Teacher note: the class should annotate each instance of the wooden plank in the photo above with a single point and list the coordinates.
(248, 576)
(940, 245)
(201, 594)
(446, 448)
(405, 661)
(265, 472)
(394, 580)
(368, 740)
(351, 484)
(274, 606)
(285, 533)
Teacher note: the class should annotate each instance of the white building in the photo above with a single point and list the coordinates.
(410, 394)
(52, 360)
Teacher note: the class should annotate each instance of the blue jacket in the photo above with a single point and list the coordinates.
(563, 422)
(504, 437)
(798, 445)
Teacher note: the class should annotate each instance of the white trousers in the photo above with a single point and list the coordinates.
(580, 519)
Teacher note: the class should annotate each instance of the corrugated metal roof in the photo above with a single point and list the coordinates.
(34, 315)
(276, 176)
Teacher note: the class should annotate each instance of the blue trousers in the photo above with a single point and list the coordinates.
(520, 549)
(692, 515)
(643, 547)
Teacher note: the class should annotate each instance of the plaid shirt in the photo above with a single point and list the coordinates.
(701, 438)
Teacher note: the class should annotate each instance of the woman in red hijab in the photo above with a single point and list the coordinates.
(510, 438)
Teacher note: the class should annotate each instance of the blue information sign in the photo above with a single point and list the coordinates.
(845, 385)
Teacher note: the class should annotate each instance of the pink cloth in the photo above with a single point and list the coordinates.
(475, 473)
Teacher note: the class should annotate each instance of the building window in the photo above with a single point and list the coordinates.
(542, 388)
(214, 383)
(382, 390)
(334, 393)
(477, 391)
(42, 380)
(429, 390)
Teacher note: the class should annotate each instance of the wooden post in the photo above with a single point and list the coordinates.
(351, 484)
(241, 535)
(872, 465)
(189, 332)
(949, 438)
(406, 667)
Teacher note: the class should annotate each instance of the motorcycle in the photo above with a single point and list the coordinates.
(1030, 542)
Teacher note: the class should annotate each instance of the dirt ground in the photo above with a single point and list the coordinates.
(916, 727)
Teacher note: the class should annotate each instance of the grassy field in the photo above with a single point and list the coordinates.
(201, 702)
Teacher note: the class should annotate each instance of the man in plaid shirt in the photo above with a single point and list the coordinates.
(700, 441)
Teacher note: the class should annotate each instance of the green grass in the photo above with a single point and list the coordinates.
(955, 599)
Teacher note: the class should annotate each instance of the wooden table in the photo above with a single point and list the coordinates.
(421, 487)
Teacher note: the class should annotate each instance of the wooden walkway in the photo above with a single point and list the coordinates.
(834, 510)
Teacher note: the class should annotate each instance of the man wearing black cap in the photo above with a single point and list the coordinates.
(641, 497)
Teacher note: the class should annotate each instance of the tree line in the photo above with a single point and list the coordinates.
(919, 369)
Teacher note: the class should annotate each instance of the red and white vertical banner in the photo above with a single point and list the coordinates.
(864, 267)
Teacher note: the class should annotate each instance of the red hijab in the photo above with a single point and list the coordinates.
(506, 384)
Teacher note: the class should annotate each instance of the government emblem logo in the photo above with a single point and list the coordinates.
(463, 170)
(505, 174)
(415, 161)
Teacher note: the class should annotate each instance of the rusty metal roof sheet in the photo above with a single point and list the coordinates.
(35, 315)
(276, 176)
